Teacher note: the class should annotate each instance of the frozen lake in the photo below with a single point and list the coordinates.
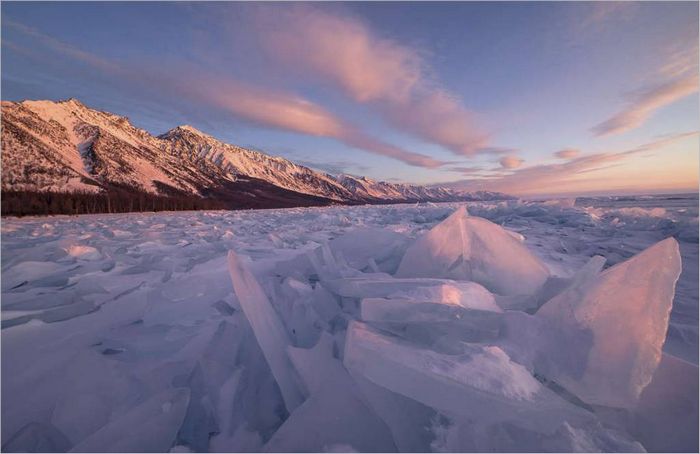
(109, 320)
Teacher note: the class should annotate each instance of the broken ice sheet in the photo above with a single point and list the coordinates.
(161, 341)
(481, 383)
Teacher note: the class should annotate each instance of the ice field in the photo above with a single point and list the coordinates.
(505, 326)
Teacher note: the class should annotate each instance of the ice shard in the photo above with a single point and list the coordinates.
(269, 331)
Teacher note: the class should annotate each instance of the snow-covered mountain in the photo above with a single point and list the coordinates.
(67, 146)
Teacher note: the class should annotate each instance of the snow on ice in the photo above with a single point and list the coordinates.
(568, 325)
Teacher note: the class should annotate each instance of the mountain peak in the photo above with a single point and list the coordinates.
(179, 130)
(72, 101)
(189, 128)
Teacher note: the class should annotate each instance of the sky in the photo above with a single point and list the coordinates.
(530, 98)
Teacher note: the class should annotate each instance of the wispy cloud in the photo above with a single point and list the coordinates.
(601, 12)
(496, 150)
(681, 60)
(467, 170)
(551, 177)
(567, 153)
(645, 102)
(510, 162)
(391, 77)
(63, 48)
(335, 167)
(675, 79)
(260, 105)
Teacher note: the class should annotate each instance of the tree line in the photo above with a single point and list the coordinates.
(38, 203)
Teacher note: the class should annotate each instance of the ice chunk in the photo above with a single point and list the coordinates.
(552, 287)
(82, 252)
(429, 304)
(335, 412)
(468, 295)
(407, 419)
(299, 317)
(561, 203)
(315, 365)
(360, 246)
(327, 265)
(470, 248)
(382, 285)
(268, 329)
(400, 310)
(480, 383)
(149, 427)
(606, 332)
(324, 303)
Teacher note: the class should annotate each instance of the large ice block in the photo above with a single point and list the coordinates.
(605, 334)
(380, 285)
(470, 248)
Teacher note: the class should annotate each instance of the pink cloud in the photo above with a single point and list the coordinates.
(645, 102)
(368, 143)
(370, 69)
(290, 112)
(567, 153)
(342, 50)
(510, 162)
(263, 106)
(550, 178)
(438, 117)
(270, 108)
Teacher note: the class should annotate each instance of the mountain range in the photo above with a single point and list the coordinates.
(65, 146)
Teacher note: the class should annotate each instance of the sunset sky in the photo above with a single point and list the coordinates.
(525, 98)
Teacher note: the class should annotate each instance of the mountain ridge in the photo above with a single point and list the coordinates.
(66, 146)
